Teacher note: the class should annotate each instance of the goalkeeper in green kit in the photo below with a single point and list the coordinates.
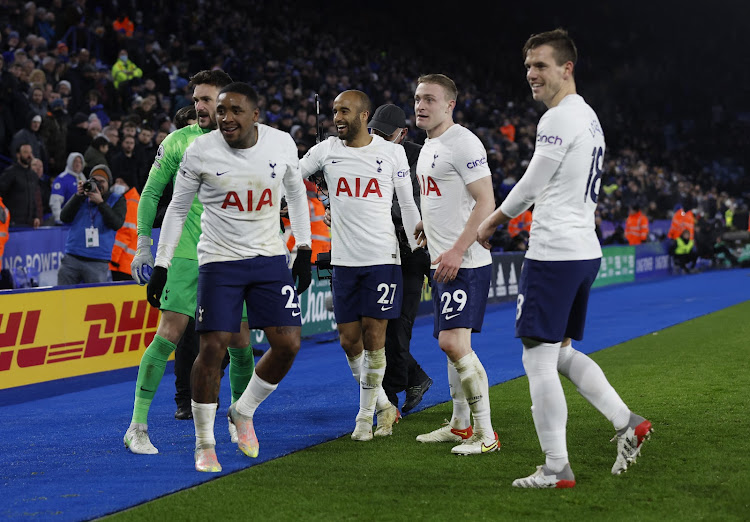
(178, 301)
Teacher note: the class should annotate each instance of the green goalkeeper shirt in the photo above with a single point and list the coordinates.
(163, 171)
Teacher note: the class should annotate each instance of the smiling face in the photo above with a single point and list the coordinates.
(349, 117)
(550, 82)
(237, 116)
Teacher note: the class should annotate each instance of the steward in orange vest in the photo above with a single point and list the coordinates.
(320, 233)
(520, 222)
(636, 226)
(682, 221)
(4, 225)
(126, 240)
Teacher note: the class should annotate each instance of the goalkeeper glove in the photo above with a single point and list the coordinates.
(143, 262)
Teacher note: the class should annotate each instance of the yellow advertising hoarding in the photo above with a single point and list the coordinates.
(53, 334)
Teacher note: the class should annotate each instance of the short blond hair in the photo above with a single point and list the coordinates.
(451, 92)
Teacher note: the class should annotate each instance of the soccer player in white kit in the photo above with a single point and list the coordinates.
(362, 172)
(562, 181)
(240, 172)
(457, 195)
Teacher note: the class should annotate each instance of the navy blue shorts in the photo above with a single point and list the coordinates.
(366, 291)
(553, 297)
(264, 283)
(461, 303)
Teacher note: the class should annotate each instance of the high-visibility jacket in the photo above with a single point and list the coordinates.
(126, 240)
(636, 228)
(520, 222)
(682, 248)
(122, 71)
(682, 221)
(4, 225)
(320, 233)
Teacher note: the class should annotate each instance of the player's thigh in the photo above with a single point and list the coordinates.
(271, 297)
(461, 303)
(221, 291)
(546, 293)
(588, 271)
(180, 290)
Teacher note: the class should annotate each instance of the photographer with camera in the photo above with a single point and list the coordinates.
(95, 215)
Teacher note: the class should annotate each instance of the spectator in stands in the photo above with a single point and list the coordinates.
(185, 116)
(95, 217)
(684, 253)
(31, 135)
(96, 153)
(125, 163)
(145, 151)
(19, 188)
(636, 226)
(682, 220)
(4, 232)
(78, 139)
(124, 74)
(95, 106)
(520, 223)
(126, 239)
(54, 133)
(45, 189)
(65, 185)
(617, 237)
(37, 103)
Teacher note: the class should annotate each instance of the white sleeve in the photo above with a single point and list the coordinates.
(405, 195)
(55, 204)
(527, 190)
(310, 163)
(470, 159)
(186, 184)
(296, 199)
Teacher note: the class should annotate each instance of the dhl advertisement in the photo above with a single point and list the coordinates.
(53, 334)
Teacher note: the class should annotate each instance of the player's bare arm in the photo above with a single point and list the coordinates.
(450, 261)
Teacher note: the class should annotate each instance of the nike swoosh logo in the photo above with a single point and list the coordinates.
(385, 308)
(335, 161)
(221, 173)
(147, 391)
(449, 317)
(464, 433)
(296, 313)
(491, 447)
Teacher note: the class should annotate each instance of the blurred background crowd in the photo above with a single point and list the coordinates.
(85, 83)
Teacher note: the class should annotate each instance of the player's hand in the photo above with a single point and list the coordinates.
(484, 233)
(327, 217)
(419, 235)
(156, 286)
(302, 269)
(143, 262)
(448, 264)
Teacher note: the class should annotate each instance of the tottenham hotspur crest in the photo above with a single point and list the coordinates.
(273, 166)
(434, 157)
(200, 314)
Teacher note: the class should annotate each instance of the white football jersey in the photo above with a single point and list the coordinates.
(446, 165)
(361, 182)
(241, 191)
(563, 227)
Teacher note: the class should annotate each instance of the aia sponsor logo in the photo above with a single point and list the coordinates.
(110, 330)
(232, 199)
(427, 185)
(358, 188)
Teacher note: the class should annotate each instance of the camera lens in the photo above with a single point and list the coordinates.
(88, 186)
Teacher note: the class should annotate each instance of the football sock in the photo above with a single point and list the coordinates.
(355, 363)
(371, 380)
(476, 389)
(241, 367)
(203, 418)
(150, 372)
(590, 381)
(548, 406)
(256, 392)
(461, 418)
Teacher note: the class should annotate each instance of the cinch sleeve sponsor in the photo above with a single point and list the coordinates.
(470, 159)
(554, 135)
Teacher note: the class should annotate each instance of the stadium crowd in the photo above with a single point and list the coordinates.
(104, 82)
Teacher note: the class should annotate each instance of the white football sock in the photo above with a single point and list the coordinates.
(203, 419)
(548, 406)
(355, 363)
(371, 380)
(590, 381)
(476, 390)
(461, 418)
(256, 392)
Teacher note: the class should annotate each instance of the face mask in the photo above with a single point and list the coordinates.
(119, 189)
(124, 58)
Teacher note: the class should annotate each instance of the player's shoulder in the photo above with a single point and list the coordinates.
(572, 106)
